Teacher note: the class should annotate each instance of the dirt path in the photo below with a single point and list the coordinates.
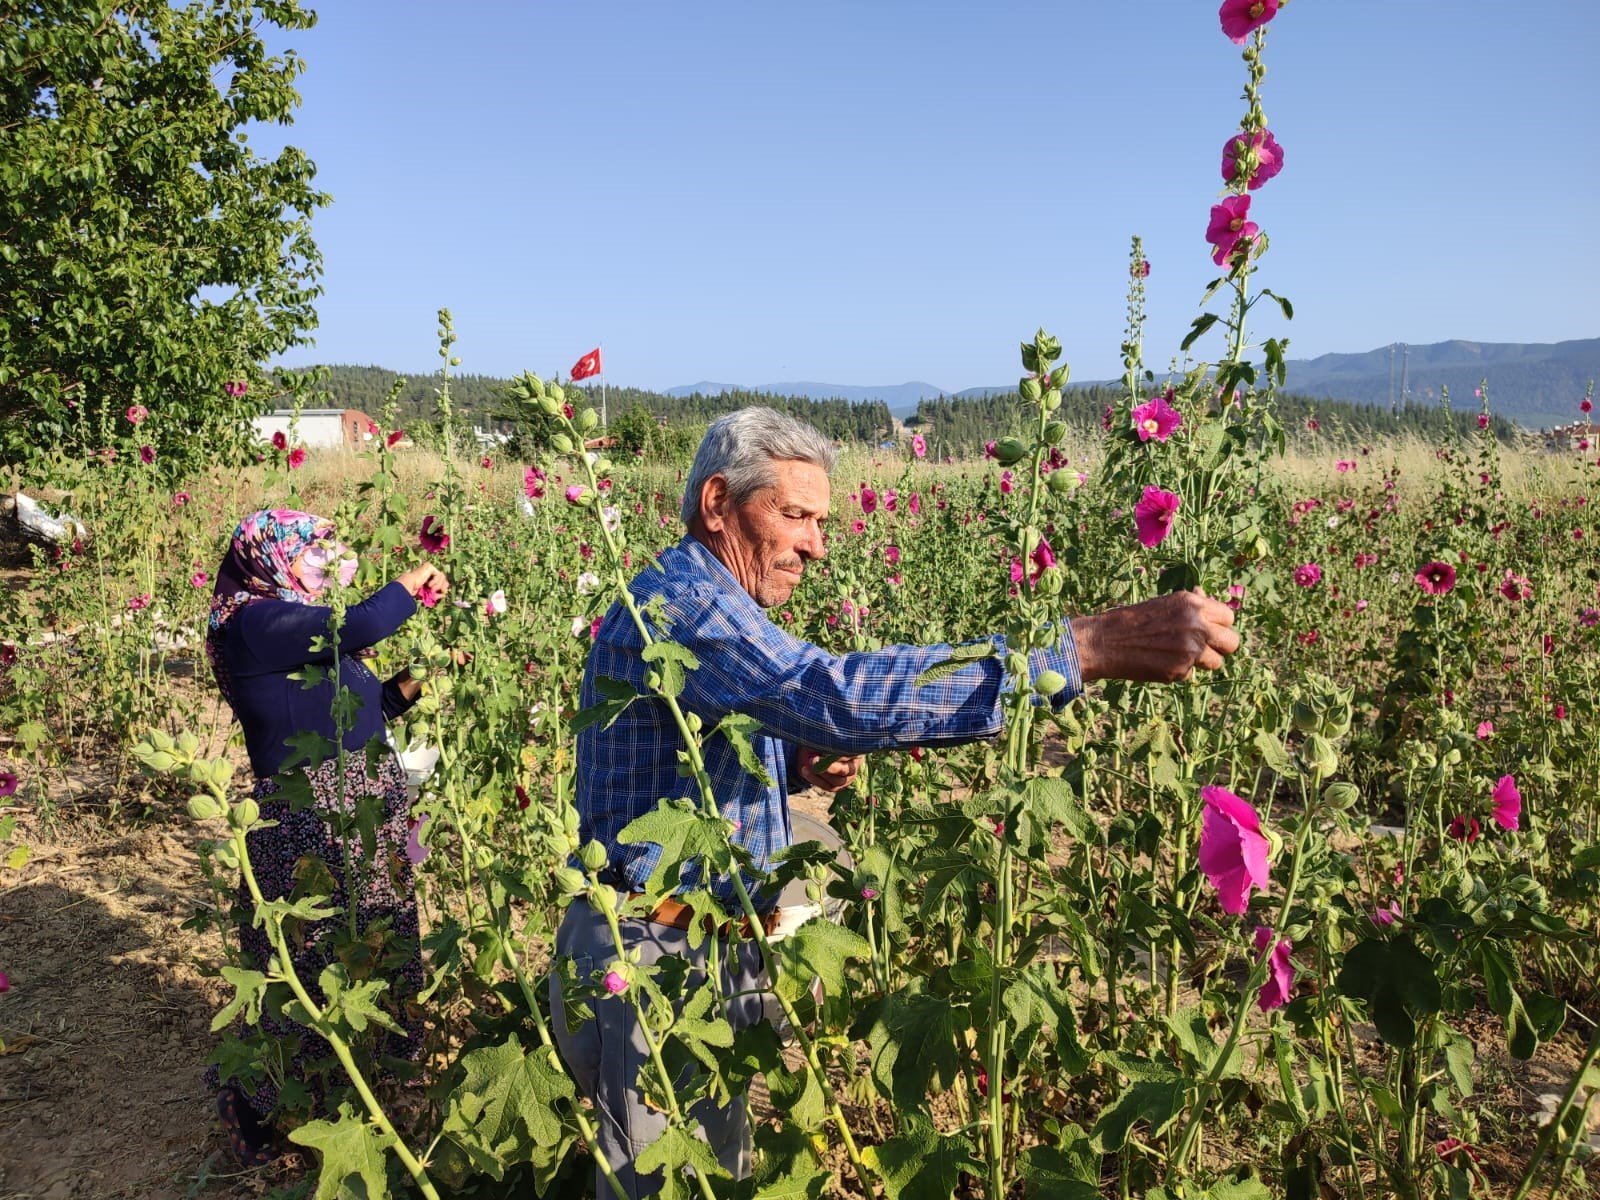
(107, 1024)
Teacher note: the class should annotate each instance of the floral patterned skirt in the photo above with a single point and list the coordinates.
(304, 854)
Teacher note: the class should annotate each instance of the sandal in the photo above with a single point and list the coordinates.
(248, 1138)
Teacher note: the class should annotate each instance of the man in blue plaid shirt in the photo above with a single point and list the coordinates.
(754, 504)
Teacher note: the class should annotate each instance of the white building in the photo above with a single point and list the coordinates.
(318, 428)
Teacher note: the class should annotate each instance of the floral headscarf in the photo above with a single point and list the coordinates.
(261, 565)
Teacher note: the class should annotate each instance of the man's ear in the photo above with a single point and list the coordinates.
(714, 503)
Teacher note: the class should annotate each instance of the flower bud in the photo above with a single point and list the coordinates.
(587, 420)
(1055, 433)
(562, 443)
(203, 807)
(558, 395)
(1009, 451)
(246, 813)
(549, 406)
(570, 881)
(594, 855)
(1048, 683)
(1341, 796)
(1030, 390)
(1051, 581)
(1318, 755)
(160, 760)
(1016, 663)
(603, 897)
(1051, 400)
(1061, 483)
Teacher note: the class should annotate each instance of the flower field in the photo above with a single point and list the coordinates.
(1290, 928)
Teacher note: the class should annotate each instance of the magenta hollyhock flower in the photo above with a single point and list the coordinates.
(1140, 269)
(1463, 828)
(914, 504)
(1483, 420)
(1043, 558)
(236, 388)
(1269, 157)
(869, 893)
(1230, 225)
(297, 458)
(8, 654)
(415, 850)
(147, 455)
(919, 445)
(8, 783)
(1280, 974)
(1152, 516)
(280, 440)
(1156, 418)
(1585, 405)
(1485, 730)
(427, 597)
(1516, 587)
(1308, 575)
(199, 579)
(1507, 803)
(1241, 18)
(137, 413)
(1436, 577)
(394, 438)
(142, 600)
(533, 481)
(432, 536)
(1386, 915)
(858, 526)
(1233, 850)
(614, 983)
(575, 492)
(869, 501)
(892, 555)
(890, 500)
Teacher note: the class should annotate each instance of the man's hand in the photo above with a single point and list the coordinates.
(1158, 641)
(829, 772)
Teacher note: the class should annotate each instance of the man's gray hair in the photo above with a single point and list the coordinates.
(742, 446)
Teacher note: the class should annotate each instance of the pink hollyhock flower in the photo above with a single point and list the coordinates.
(1386, 915)
(1507, 803)
(1589, 617)
(147, 455)
(869, 893)
(179, 499)
(533, 481)
(1233, 850)
(890, 500)
(869, 501)
(575, 492)
(1280, 973)
(1436, 578)
(297, 458)
(614, 983)
(8, 783)
(1140, 269)
(1485, 730)
(432, 536)
(892, 555)
(858, 526)
(1483, 420)
(1308, 575)
(1269, 157)
(1156, 418)
(1152, 516)
(199, 579)
(142, 600)
(137, 413)
(496, 604)
(1344, 466)
(914, 504)
(1516, 587)
(1230, 225)
(394, 438)
(1464, 828)
(1240, 18)
(919, 445)
(1559, 712)
(427, 597)
(1584, 405)
(989, 451)
(1043, 558)
(236, 388)
(280, 440)
(415, 850)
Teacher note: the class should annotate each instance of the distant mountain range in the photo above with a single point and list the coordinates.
(1534, 384)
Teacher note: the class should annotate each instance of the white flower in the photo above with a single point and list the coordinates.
(1333, 522)
(579, 626)
(611, 518)
(588, 582)
(495, 604)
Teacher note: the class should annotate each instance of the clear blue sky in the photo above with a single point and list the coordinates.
(870, 193)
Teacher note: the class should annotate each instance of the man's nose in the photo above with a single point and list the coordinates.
(813, 545)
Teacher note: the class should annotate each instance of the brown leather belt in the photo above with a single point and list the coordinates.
(676, 914)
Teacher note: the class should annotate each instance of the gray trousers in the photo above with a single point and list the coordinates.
(607, 1053)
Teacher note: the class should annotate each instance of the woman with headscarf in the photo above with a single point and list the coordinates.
(269, 622)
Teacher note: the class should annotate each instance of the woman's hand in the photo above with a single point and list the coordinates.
(424, 576)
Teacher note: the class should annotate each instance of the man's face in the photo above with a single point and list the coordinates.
(767, 541)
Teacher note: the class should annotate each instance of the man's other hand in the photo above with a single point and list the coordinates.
(1158, 641)
(831, 773)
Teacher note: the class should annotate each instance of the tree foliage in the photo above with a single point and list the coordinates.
(147, 255)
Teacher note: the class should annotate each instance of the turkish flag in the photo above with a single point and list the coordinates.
(588, 365)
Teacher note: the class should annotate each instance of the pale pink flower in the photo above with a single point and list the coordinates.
(137, 413)
(1485, 730)
(496, 604)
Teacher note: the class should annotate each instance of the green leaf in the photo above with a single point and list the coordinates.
(919, 1043)
(1201, 323)
(672, 662)
(1238, 1189)
(819, 949)
(1189, 1029)
(787, 1166)
(740, 730)
(960, 657)
(1398, 984)
(921, 1163)
(615, 698)
(1058, 1175)
(670, 1153)
(683, 832)
(249, 990)
(1458, 1060)
(510, 1102)
(347, 1146)
(1053, 801)
(355, 1004)
(1156, 1103)
(1036, 1000)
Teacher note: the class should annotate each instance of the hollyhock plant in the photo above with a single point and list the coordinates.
(869, 501)
(1230, 225)
(432, 536)
(919, 445)
(1280, 974)
(1516, 587)
(1436, 578)
(137, 413)
(297, 458)
(1241, 18)
(1233, 850)
(1308, 575)
(1156, 418)
(1269, 157)
(1152, 516)
(1507, 803)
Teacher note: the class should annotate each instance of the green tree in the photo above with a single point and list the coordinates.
(147, 254)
